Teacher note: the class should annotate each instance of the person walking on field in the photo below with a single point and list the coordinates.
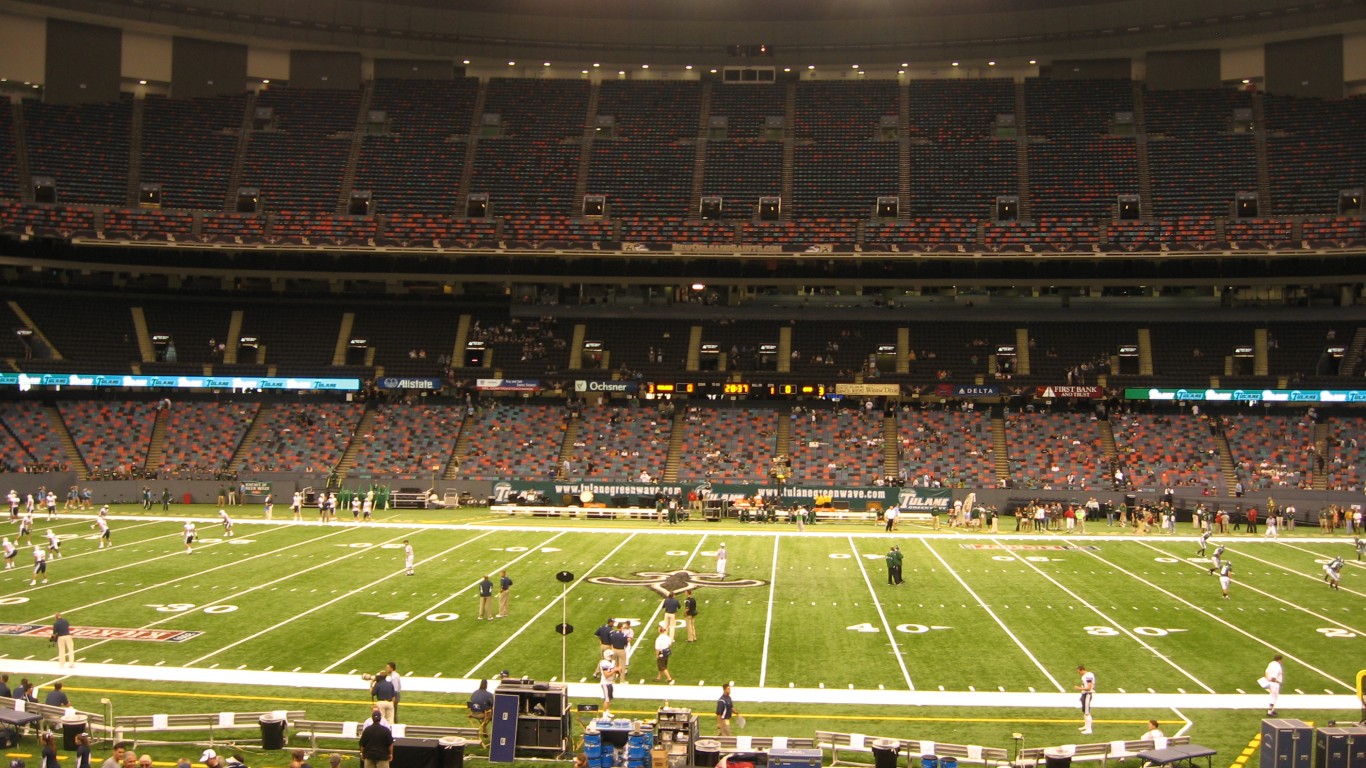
(690, 611)
(504, 594)
(1088, 689)
(1271, 681)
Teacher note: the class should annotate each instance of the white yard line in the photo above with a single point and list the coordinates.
(1105, 617)
(1150, 585)
(418, 615)
(768, 616)
(529, 622)
(982, 603)
(886, 625)
(343, 596)
(253, 588)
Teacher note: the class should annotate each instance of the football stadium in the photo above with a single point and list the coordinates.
(683, 384)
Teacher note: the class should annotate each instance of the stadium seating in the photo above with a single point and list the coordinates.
(1315, 149)
(657, 110)
(949, 448)
(85, 147)
(297, 163)
(619, 442)
(137, 224)
(415, 165)
(1159, 451)
(728, 444)
(408, 440)
(844, 112)
(35, 434)
(841, 446)
(642, 177)
(188, 147)
(843, 178)
(740, 171)
(298, 337)
(201, 437)
(954, 110)
(746, 106)
(303, 437)
(1271, 451)
(513, 441)
(9, 170)
(113, 437)
(1055, 451)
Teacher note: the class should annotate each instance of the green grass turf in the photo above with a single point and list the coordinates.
(819, 614)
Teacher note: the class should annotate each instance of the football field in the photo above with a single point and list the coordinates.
(983, 621)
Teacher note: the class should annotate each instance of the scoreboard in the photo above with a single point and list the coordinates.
(734, 389)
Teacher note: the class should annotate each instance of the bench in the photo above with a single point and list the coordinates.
(52, 716)
(350, 730)
(761, 743)
(1104, 752)
(963, 753)
(132, 726)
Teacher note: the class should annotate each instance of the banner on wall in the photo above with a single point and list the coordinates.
(908, 499)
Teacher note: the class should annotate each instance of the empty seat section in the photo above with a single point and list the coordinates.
(197, 329)
(962, 178)
(46, 220)
(551, 231)
(643, 177)
(513, 441)
(201, 437)
(660, 346)
(659, 110)
(843, 177)
(1315, 149)
(922, 233)
(666, 230)
(1196, 159)
(415, 165)
(298, 337)
(188, 147)
(415, 342)
(85, 147)
(137, 223)
(740, 171)
(819, 231)
(746, 107)
(36, 434)
(94, 334)
(9, 167)
(525, 176)
(409, 440)
(1334, 230)
(113, 437)
(229, 225)
(302, 437)
(298, 161)
(426, 229)
(327, 226)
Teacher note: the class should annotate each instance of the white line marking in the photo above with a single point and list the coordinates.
(994, 617)
(886, 625)
(768, 617)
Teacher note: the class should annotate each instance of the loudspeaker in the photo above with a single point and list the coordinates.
(44, 189)
(594, 205)
(770, 208)
(416, 753)
(477, 206)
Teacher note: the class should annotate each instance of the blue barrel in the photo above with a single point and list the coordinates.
(948, 762)
(929, 761)
(592, 738)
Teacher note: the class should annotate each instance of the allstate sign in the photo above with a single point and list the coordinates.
(408, 382)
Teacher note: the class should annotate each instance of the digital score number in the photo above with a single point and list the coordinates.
(735, 388)
(797, 390)
(669, 389)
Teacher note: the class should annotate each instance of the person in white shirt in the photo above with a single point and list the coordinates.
(1088, 689)
(1154, 732)
(54, 546)
(103, 525)
(1274, 676)
(607, 672)
(10, 552)
(721, 560)
(189, 536)
(296, 506)
(664, 648)
(407, 558)
(227, 522)
(396, 681)
(39, 565)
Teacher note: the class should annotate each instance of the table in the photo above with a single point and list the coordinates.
(1181, 753)
(13, 719)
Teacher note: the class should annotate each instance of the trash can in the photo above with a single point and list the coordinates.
(929, 761)
(1058, 757)
(72, 726)
(452, 751)
(272, 732)
(885, 752)
(707, 753)
(948, 762)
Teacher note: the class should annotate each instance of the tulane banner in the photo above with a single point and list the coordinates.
(643, 494)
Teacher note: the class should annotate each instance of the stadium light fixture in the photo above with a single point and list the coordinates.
(955, 64)
(465, 62)
(512, 63)
(991, 63)
(1033, 61)
(545, 63)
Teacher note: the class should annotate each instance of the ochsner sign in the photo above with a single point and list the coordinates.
(581, 385)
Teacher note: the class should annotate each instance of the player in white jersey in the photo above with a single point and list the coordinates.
(13, 499)
(365, 507)
(51, 505)
(296, 507)
(1088, 689)
(189, 536)
(54, 545)
(103, 525)
(355, 508)
(407, 557)
(1225, 577)
(25, 528)
(30, 504)
(227, 522)
(39, 565)
(10, 552)
(1218, 558)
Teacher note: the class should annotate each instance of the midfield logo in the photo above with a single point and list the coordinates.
(677, 581)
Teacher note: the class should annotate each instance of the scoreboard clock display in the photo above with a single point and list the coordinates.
(735, 388)
(667, 388)
(797, 390)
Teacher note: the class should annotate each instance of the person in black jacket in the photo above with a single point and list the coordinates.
(376, 743)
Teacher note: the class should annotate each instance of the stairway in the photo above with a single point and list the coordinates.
(156, 444)
(471, 144)
(135, 153)
(1227, 470)
(146, 352)
(784, 361)
(240, 156)
(789, 150)
(1145, 176)
(73, 454)
(699, 164)
(675, 459)
(903, 138)
(590, 131)
(461, 448)
(1321, 446)
(1261, 364)
(37, 332)
(576, 346)
(782, 442)
(694, 348)
(1264, 203)
(348, 181)
(1022, 363)
(572, 426)
(1352, 358)
(891, 444)
(364, 428)
(999, 451)
(1145, 352)
(348, 321)
(23, 175)
(1025, 210)
(249, 439)
(234, 335)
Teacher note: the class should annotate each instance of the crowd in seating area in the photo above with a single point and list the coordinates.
(1052, 451)
(513, 440)
(622, 443)
(309, 437)
(839, 446)
(1165, 451)
(1271, 451)
(946, 448)
(728, 444)
(408, 439)
(202, 437)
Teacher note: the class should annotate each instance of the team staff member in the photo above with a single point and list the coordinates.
(663, 650)
(671, 607)
(725, 710)
(1087, 688)
(66, 644)
(504, 594)
(486, 599)
(1274, 676)
(383, 691)
(396, 681)
(376, 743)
(481, 708)
(690, 611)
